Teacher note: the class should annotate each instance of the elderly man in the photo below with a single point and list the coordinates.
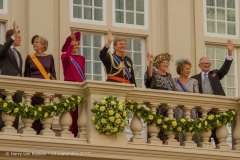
(209, 81)
(118, 66)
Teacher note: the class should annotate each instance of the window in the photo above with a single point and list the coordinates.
(135, 49)
(221, 18)
(91, 44)
(3, 6)
(130, 13)
(2, 33)
(88, 11)
(217, 56)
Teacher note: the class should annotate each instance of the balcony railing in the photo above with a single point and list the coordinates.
(89, 144)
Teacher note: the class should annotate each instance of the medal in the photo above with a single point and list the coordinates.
(129, 69)
(129, 64)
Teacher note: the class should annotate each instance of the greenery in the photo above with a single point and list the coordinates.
(182, 125)
(40, 111)
(110, 116)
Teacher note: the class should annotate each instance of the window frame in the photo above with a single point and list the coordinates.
(4, 10)
(219, 35)
(234, 55)
(145, 26)
(82, 20)
(2, 33)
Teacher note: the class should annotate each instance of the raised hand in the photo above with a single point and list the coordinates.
(73, 38)
(110, 36)
(150, 57)
(15, 29)
(229, 47)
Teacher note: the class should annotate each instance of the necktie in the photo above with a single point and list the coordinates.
(205, 77)
(16, 56)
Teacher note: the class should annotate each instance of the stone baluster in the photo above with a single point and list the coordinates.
(152, 129)
(188, 135)
(236, 132)
(205, 135)
(136, 127)
(65, 121)
(171, 141)
(8, 119)
(47, 122)
(28, 122)
(222, 135)
(82, 123)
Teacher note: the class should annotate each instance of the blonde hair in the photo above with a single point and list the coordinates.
(43, 41)
(118, 40)
(180, 65)
(160, 57)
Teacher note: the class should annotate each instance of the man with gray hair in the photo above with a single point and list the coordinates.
(209, 81)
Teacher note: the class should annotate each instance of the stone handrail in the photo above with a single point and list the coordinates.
(94, 91)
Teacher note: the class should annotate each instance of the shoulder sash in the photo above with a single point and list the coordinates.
(80, 72)
(117, 60)
(166, 82)
(181, 85)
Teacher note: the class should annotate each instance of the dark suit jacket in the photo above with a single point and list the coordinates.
(214, 77)
(8, 64)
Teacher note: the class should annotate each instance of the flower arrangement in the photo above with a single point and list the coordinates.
(40, 111)
(180, 125)
(110, 116)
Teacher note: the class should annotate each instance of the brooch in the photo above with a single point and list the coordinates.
(213, 75)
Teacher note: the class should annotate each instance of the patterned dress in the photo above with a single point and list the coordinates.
(158, 83)
(191, 86)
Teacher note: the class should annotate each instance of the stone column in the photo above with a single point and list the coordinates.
(47, 123)
(82, 123)
(28, 122)
(236, 132)
(153, 130)
(8, 119)
(205, 135)
(171, 141)
(222, 135)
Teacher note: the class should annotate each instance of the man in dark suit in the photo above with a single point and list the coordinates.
(11, 63)
(209, 81)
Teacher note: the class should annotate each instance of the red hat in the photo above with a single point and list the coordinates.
(69, 39)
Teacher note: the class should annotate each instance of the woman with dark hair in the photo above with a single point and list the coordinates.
(39, 65)
(73, 69)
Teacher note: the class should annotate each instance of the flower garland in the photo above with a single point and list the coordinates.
(182, 125)
(40, 111)
(110, 116)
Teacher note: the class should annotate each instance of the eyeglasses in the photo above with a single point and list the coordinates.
(205, 63)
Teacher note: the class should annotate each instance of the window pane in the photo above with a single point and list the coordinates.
(210, 52)
(137, 45)
(221, 27)
(119, 4)
(211, 26)
(97, 3)
(210, 13)
(128, 44)
(96, 54)
(87, 53)
(88, 2)
(97, 68)
(223, 82)
(87, 13)
(98, 15)
(231, 29)
(77, 12)
(220, 3)
(231, 4)
(129, 18)
(74, 1)
(220, 14)
(212, 64)
(129, 54)
(140, 5)
(119, 17)
(220, 53)
(89, 77)
(231, 15)
(139, 83)
(219, 64)
(230, 92)
(88, 67)
(97, 41)
(130, 5)
(138, 71)
(140, 19)
(137, 59)
(86, 40)
(230, 81)
(97, 78)
(210, 2)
